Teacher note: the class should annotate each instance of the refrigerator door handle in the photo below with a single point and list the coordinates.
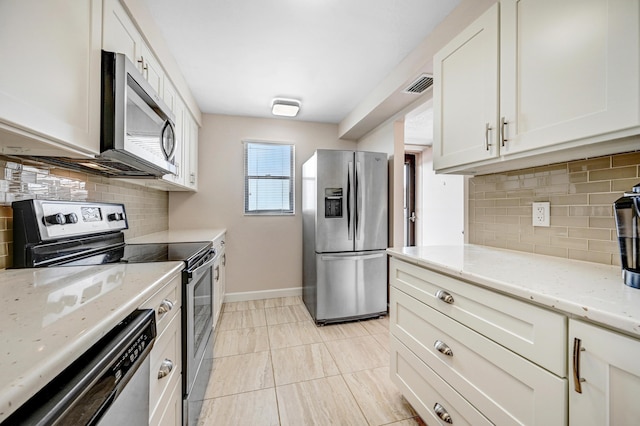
(349, 174)
(356, 257)
(359, 202)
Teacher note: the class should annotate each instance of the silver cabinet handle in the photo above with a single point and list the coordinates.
(165, 306)
(577, 381)
(224, 258)
(442, 413)
(444, 296)
(443, 348)
(165, 368)
(503, 123)
(217, 275)
(486, 136)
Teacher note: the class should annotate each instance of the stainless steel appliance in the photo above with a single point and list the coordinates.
(344, 217)
(137, 128)
(107, 385)
(627, 212)
(65, 233)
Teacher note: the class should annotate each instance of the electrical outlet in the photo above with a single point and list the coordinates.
(541, 213)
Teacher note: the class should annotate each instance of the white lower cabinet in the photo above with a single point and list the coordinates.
(484, 350)
(165, 380)
(219, 278)
(608, 363)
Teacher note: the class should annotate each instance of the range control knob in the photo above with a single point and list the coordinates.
(71, 218)
(115, 216)
(55, 219)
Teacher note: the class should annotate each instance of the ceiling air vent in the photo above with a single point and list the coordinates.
(420, 84)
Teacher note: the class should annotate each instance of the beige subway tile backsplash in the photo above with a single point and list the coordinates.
(581, 194)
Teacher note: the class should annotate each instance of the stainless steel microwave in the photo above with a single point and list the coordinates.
(137, 126)
(137, 138)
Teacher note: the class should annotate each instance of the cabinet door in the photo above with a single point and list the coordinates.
(191, 152)
(466, 95)
(50, 72)
(611, 372)
(151, 69)
(120, 33)
(569, 70)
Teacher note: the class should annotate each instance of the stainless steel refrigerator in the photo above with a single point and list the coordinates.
(344, 219)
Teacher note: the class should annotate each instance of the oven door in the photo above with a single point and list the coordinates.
(198, 319)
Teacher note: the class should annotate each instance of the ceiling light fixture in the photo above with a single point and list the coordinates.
(285, 107)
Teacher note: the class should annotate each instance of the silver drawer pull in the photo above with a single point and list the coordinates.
(165, 306)
(442, 413)
(165, 368)
(443, 348)
(444, 296)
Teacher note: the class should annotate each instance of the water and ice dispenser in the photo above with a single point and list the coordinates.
(333, 202)
(627, 213)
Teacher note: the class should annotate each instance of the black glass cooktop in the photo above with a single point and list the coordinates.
(145, 253)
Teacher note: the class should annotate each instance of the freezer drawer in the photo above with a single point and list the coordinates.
(351, 285)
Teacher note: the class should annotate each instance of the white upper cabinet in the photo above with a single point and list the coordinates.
(121, 35)
(568, 69)
(50, 77)
(466, 95)
(567, 88)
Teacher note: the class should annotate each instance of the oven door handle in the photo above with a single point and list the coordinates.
(205, 265)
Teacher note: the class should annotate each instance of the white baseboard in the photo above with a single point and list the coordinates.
(263, 294)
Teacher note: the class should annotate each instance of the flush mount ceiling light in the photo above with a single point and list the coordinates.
(285, 107)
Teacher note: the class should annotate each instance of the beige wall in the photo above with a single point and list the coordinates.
(581, 195)
(263, 252)
(383, 139)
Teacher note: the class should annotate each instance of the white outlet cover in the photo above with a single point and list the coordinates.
(540, 214)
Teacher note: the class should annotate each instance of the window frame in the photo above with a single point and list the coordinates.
(271, 212)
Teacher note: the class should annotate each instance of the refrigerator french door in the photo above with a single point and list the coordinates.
(344, 207)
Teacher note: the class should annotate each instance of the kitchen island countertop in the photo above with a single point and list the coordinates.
(50, 316)
(583, 290)
(179, 236)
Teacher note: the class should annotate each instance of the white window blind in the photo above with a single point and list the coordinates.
(268, 178)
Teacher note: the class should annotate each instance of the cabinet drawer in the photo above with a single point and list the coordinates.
(166, 303)
(169, 410)
(533, 332)
(424, 389)
(505, 387)
(167, 348)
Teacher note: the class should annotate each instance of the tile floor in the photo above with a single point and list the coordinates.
(273, 366)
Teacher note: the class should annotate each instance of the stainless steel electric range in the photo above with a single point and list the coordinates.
(67, 233)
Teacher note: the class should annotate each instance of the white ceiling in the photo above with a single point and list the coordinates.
(237, 55)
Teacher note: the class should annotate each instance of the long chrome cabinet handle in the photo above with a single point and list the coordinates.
(443, 348)
(577, 380)
(503, 137)
(165, 368)
(442, 413)
(444, 296)
(486, 136)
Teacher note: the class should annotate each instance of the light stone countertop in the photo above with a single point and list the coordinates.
(50, 316)
(579, 289)
(179, 236)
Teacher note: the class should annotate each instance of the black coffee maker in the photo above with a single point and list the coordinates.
(627, 211)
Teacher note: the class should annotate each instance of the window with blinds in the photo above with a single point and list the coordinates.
(268, 178)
